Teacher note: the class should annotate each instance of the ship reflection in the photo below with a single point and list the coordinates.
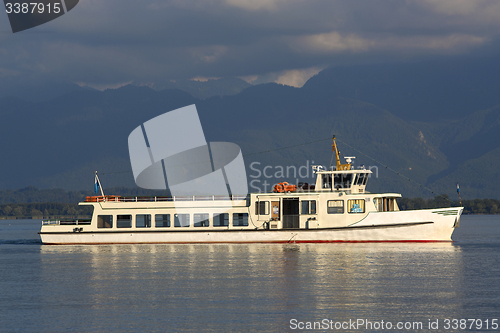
(303, 281)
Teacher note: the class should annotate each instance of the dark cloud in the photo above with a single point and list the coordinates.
(108, 42)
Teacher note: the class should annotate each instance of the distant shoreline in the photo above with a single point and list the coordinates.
(44, 217)
(61, 210)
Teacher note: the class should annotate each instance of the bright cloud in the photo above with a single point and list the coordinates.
(334, 42)
(297, 77)
(255, 4)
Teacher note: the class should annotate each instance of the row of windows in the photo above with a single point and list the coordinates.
(308, 207)
(179, 220)
(344, 180)
(353, 206)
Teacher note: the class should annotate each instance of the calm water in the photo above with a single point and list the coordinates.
(159, 288)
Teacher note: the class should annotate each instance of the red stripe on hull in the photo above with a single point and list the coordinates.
(267, 242)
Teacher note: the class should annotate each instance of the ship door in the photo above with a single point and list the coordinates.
(290, 213)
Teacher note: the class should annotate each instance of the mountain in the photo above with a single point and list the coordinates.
(202, 89)
(423, 91)
(59, 143)
(472, 147)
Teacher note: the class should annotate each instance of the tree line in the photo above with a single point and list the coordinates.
(44, 210)
(475, 206)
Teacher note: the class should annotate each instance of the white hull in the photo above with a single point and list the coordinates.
(433, 225)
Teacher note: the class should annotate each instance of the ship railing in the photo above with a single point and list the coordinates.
(67, 222)
(116, 198)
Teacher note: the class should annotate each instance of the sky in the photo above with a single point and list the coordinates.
(110, 43)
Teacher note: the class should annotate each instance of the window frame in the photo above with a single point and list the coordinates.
(335, 209)
(101, 223)
(311, 207)
(261, 207)
(162, 221)
(243, 218)
(147, 222)
(352, 202)
(120, 222)
(217, 217)
(204, 220)
(178, 223)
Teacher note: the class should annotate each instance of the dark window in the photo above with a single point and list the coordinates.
(359, 179)
(221, 220)
(201, 220)
(181, 220)
(342, 181)
(124, 221)
(162, 220)
(335, 207)
(240, 219)
(327, 180)
(308, 207)
(105, 221)
(262, 208)
(143, 221)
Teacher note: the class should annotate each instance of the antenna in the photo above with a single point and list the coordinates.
(349, 159)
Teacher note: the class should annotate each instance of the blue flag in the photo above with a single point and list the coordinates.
(96, 185)
(458, 188)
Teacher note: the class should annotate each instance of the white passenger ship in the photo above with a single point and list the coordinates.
(336, 209)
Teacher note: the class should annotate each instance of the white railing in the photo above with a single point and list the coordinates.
(66, 222)
(162, 199)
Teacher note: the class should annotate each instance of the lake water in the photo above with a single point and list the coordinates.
(256, 287)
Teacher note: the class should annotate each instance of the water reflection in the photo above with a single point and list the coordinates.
(206, 285)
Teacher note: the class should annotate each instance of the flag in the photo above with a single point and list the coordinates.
(458, 188)
(96, 184)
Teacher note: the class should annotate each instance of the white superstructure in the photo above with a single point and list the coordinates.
(336, 209)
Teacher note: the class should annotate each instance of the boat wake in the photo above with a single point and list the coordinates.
(20, 242)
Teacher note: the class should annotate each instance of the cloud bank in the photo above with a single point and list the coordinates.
(108, 42)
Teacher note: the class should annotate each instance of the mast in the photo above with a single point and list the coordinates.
(339, 166)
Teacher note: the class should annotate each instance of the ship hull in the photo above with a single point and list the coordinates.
(435, 225)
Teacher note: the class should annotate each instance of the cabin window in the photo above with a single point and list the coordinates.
(240, 219)
(326, 180)
(308, 207)
(361, 179)
(356, 206)
(124, 221)
(343, 181)
(385, 204)
(162, 220)
(201, 220)
(335, 207)
(143, 221)
(221, 220)
(262, 208)
(105, 221)
(181, 220)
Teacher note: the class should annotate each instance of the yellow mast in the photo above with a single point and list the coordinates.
(340, 166)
